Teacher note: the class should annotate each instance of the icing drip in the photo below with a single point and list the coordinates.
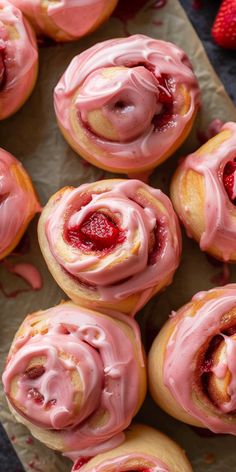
(29, 273)
(18, 204)
(147, 239)
(217, 168)
(204, 382)
(72, 375)
(137, 87)
(18, 59)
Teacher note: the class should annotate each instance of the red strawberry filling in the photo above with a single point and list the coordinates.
(159, 235)
(228, 180)
(2, 68)
(35, 395)
(80, 462)
(97, 233)
(35, 372)
(165, 118)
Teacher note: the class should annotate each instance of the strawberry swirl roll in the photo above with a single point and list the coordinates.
(66, 20)
(127, 104)
(192, 362)
(111, 244)
(144, 450)
(18, 202)
(203, 192)
(18, 59)
(76, 378)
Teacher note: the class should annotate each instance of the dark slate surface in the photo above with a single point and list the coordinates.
(225, 64)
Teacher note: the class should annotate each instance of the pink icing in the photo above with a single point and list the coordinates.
(121, 463)
(18, 59)
(141, 143)
(73, 18)
(220, 226)
(117, 97)
(110, 376)
(16, 203)
(188, 337)
(120, 273)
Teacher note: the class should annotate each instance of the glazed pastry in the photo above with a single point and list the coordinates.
(192, 362)
(18, 59)
(76, 378)
(127, 104)
(18, 202)
(203, 192)
(111, 244)
(66, 20)
(145, 449)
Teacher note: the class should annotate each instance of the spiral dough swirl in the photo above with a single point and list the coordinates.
(76, 378)
(197, 368)
(127, 104)
(140, 239)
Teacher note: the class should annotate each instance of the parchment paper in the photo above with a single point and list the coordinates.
(33, 137)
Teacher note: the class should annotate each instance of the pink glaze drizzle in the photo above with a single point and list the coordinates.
(29, 273)
(119, 273)
(147, 61)
(18, 66)
(122, 463)
(110, 376)
(189, 335)
(16, 203)
(220, 225)
(72, 18)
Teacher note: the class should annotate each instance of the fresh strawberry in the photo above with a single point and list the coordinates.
(224, 27)
(228, 180)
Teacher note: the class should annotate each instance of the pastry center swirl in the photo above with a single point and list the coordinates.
(123, 103)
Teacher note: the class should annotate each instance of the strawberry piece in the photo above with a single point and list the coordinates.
(97, 233)
(224, 27)
(35, 395)
(35, 372)
(228, 180)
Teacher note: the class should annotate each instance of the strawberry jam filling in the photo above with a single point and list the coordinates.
(166, 89)
(206, 363)
(80, 462)
(97, 233)
(229, 180)
(2, 67)
(165, 118)
(159, 236)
